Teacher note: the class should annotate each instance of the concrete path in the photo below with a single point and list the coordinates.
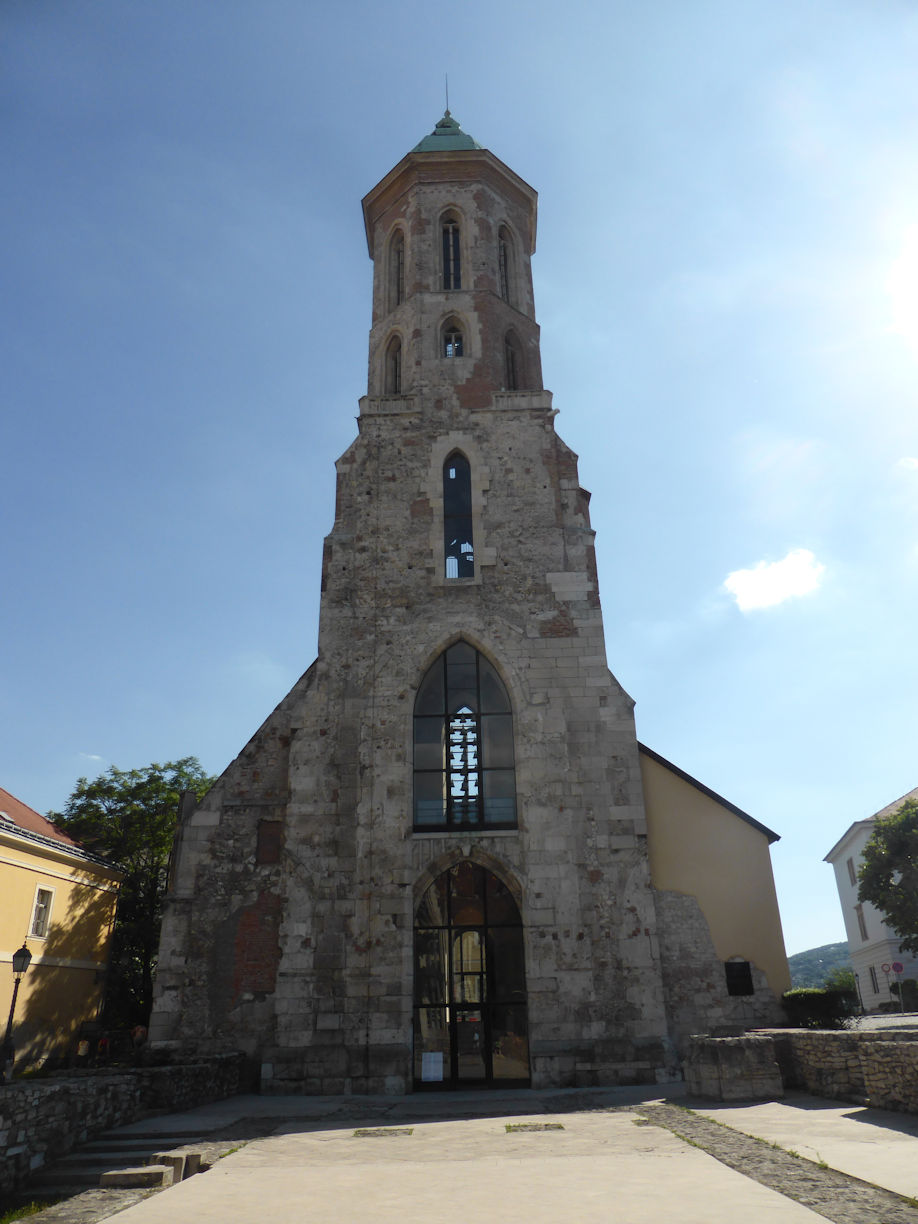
(526, 1156)
(600, 1167)
(872, 1144)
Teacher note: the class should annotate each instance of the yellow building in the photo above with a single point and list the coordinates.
(711, 866)
(60, 901)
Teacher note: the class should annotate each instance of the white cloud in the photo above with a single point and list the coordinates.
(769, 583)
(909, 463)
(89, 756)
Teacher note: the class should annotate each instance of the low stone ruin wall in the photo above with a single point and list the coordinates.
(41, 1120)
(733, 1068)
(875, 1068)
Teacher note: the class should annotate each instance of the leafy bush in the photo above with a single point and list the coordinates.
(819, 1009)
(909, 989)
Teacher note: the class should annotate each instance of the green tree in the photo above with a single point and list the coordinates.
(129, 817)
(840, 978)
(888, 877)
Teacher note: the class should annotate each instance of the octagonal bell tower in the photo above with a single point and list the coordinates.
(451, 230)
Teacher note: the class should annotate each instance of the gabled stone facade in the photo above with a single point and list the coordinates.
(359, 806)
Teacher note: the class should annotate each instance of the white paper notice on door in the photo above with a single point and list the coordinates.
(431, 1066)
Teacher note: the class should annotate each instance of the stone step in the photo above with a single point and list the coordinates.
(87, 1164)
(57, 1181)
(131, 1143)
(105, 1158)
(156, 1136)
(144, 1176)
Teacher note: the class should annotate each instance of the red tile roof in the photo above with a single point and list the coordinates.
(18, 813)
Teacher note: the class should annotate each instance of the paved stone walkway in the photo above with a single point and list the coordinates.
(523, 1158)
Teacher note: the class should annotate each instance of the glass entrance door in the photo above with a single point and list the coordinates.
(470, 1024)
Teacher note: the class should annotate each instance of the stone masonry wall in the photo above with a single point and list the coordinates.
(891, 1074)
(693, 977)
(333, 916)
(733, 1068)
(41, 1120)
(869, 1068)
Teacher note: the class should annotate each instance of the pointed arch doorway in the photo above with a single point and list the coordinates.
(470, 1008)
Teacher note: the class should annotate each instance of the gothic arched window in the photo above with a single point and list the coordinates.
(464, 774)
(393, 378)
(504, 263)
(452, 263)
(457, 517)
(396, 270)
(451, 339)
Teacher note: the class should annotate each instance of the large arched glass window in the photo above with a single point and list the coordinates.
(458, 549)
(393, 379)
(451, 256)
(470, 1005)
(464, 775)
(396, 270)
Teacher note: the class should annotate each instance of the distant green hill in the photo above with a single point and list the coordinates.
(810, 968)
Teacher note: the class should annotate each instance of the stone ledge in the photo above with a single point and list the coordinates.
(155, 1176)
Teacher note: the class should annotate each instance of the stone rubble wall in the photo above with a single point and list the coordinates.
(733, 1068)
(879, 1069)
(891, 1074)
(41, 1120)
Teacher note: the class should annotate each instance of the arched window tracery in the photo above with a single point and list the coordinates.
(464, 771)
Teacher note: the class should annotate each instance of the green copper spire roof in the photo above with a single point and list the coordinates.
(446, 137)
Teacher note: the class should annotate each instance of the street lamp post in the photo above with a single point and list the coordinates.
(21, 961)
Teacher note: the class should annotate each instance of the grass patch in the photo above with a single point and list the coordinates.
(382, 1132)
(509, 1127)
(26, 1209)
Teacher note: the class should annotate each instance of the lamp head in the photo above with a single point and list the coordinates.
(21, 960)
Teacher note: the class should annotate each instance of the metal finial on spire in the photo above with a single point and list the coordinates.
(446, 78)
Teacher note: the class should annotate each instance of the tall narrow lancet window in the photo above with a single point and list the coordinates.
(464, 773)
(452, 266)
(457, 517)
(513, 363)
(504, 263)
(393, 380)
(397, 270)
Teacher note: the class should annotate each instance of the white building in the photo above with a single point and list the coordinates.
(872, 944)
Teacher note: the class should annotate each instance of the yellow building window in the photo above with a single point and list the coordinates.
(41, 914)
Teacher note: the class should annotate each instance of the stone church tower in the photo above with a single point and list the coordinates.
(430, 865)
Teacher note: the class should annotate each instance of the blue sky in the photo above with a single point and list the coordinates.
(727, 284)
